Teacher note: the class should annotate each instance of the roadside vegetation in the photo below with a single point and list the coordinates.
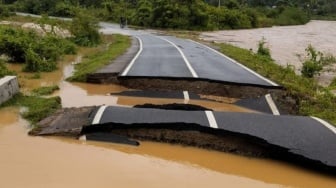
(37, 107)
(38, 53)
(41, 51)
(4, 71)
(315, 62)
(114, 45)
(46, 90)
(313, 99)
(186, 14)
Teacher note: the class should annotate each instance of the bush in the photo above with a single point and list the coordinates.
(262, 50)
(37, 52)
(4, 11)
(311, 68)
(315, 62)
(292, 16)
(4, 71)
(14, 42)
(85, 30)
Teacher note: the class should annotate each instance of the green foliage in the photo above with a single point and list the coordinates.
(4, 71)
(92, 63)
(48, 90)
(311, 68)
(14, 42)
(85, 29)
(292, 16)
(183, 14)
(262, 50)
(38, 107)
(313, 99)
(315, 62)
(4, 11)
(333, 84)
(39, 53)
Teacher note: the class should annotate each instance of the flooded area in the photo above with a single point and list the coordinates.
(34, 162)
(286, 42)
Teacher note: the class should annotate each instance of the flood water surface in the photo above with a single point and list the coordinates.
(34, 162)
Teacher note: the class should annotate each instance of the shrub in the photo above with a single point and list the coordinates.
(4, 71)
(262, 50)
(292, 16)
(333, 83)
(39, 53)
(311, 68)
(4, 11)
(85, 30)
(315, 62)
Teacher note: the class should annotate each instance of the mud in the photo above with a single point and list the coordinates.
(285, 102)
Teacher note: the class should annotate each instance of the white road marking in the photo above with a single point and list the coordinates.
(191, 69)
(211, 119)
(128, 68)
(326, 124)
(186, 96)
(272, 105)
(99, 115)
(234, 61)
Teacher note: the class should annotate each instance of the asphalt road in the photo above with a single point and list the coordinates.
(303, 136)
(171, 57)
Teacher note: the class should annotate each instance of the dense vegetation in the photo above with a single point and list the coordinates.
(187, 14)
(314, 100)
(39, 53)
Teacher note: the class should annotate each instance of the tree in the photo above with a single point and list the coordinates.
(85, 29)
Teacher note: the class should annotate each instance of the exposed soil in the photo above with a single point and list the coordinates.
(203, 137)
(286, 103)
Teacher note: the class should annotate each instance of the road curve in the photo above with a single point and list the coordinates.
(171, 57)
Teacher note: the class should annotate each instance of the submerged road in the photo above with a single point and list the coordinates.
(171, 57)
(308, 137)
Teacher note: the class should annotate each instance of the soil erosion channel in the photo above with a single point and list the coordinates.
(60, 162)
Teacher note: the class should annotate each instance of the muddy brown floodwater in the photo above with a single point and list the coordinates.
(34, 162)
(285, 42)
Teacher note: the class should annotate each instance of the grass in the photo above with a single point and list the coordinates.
(314, 100)
(4, 71)
(114, 46)
(48, 90)
(38, 108)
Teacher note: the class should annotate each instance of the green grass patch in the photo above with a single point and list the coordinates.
(117, 45)
(48, 90)
(314, 100)
(4, 71)
(38, 108)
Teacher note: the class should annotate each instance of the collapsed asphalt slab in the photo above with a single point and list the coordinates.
(292, 138)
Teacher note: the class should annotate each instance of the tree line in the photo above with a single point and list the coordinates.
(186, 14)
